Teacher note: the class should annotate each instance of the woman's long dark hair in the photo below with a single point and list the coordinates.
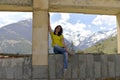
(61, 30)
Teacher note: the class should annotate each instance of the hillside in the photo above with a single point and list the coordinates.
(16, 38)
(108, 46)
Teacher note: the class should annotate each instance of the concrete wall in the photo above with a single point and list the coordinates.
(86, 67)
(81, 67)
(15, 68)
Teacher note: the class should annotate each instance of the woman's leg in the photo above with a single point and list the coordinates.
(65, 60)
(65, 63)
(58, 49)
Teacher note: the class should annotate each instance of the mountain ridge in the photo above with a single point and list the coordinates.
(16, 35)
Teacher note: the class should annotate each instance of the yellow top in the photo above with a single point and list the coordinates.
(56, 40)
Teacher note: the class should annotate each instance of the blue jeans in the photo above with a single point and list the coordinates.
(58, 49)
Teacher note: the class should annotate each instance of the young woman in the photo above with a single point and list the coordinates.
(58, 44)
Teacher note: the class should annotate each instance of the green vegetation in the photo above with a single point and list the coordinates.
(80, 52)
(108, 46)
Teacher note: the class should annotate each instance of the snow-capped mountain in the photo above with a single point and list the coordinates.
(96, 37)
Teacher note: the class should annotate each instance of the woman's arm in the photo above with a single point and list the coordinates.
(49, 27)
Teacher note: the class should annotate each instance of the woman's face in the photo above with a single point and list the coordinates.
(58, 29)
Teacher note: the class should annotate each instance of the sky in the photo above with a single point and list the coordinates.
(85, 23)
(12, 17)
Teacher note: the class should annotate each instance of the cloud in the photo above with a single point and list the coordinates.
(11, 17)
(103, 28)
(77, 27)
(65, 16)
(104, 19)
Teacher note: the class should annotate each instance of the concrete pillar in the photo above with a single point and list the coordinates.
(40, 39)
(118, 33)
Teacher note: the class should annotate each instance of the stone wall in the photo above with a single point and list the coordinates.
(81, 67)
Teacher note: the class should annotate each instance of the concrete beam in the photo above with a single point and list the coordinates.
(40, 4)
(16, 8)
(118, 33)
(86, 6)
(16, 5)
(17, 2)
(108, 7)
